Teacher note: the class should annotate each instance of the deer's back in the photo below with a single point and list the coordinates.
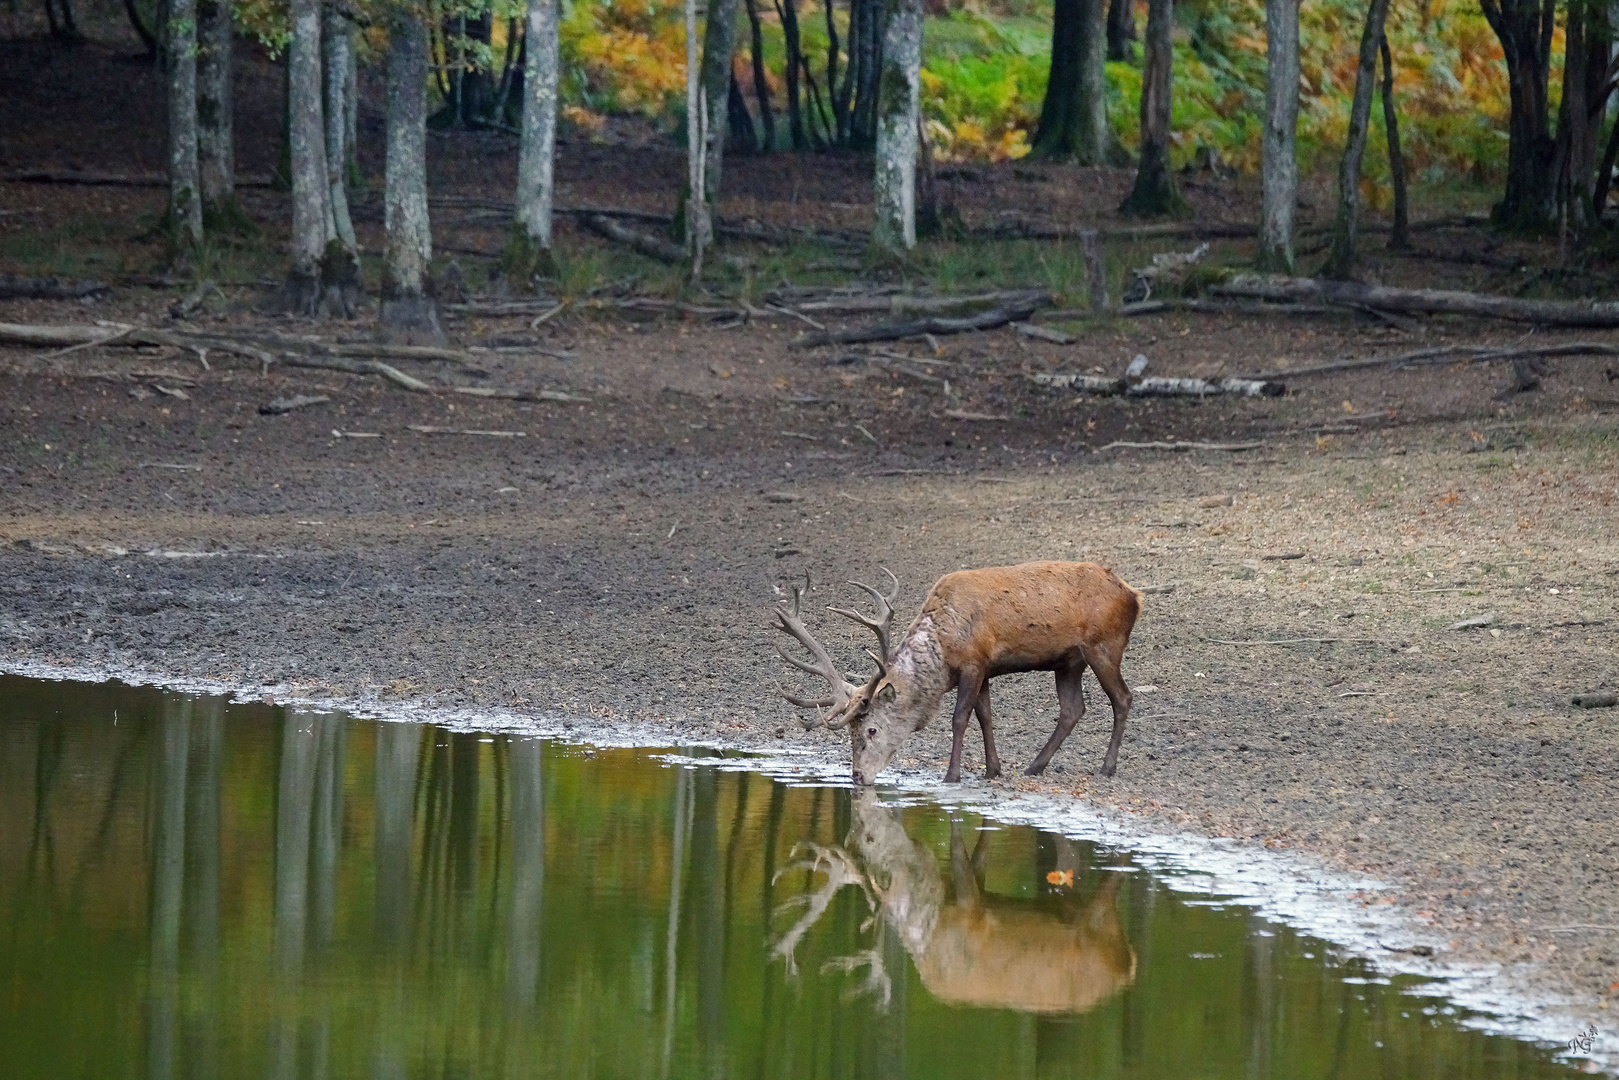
(1028, 617)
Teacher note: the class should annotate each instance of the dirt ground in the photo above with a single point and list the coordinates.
(1297, 683)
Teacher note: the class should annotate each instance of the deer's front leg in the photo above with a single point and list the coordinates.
(986, 723)
(967, 688)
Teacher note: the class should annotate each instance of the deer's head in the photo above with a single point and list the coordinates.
(881, 713)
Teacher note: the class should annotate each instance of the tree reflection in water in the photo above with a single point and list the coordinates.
(205, 889)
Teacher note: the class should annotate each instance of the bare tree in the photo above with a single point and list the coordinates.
(1345, 257)
(1155, 192)
(694, 208)
(312, 226)
(767, 116)
(894, 229)
(787, 10)
(529, 250)
(408, 312)
(1280, 164)
(1073, 117)
(216, 148)
(1525, 29)
(185, 192)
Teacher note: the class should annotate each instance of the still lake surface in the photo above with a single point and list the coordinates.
(192, 889)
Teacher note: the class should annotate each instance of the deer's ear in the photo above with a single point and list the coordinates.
(887, 692)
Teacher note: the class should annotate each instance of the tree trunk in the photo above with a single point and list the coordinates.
(185, 192)
(141, 31)
(761, 91)
(694, 211)
(1121, 29)
(216, 148)
(1073, 118)
(337, 51)
(529, 251)
(1154, 192)
(1345, 258)
(898, 114)
(740, 135)
(837, 95)
(409, 315)
(311, 196)
(1400, 234)
(719, 46)
(1525, 28)
(1604, 184)
(1280, 167)
(864, 119)
(788, 10)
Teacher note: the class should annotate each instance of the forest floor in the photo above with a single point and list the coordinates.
(1298, 685)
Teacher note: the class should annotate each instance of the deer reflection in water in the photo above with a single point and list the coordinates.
(970, 947)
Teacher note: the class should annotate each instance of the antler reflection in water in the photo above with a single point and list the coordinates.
(840, 870)
(877, 983)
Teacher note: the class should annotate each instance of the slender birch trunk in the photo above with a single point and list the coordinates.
(311, 197)
(719, 46)
(894, 229)
(1154, 192)
(699, 225)
(408, 313)
(1280, 163)
(185, 192)
(337, 49)
(216, 148)
(529, 251)
(1345, 257)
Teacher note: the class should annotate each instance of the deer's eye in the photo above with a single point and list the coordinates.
(871, 731)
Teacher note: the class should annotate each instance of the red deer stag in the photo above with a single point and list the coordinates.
(975, 625)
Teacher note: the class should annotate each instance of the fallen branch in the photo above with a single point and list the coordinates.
(428, 429)
(654, 247)
(1449, 354)
(1276, 641)
(1181, 446)
(16, 287)
(1595, 701)
(1044, 333)
(517, 395)
(358, 367)
(1232, 307)
(894, 331)
(287, 405)
(963, 414)
(1421, 301)
(1475, 623)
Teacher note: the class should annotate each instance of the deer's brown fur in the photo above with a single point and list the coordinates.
(974, 625)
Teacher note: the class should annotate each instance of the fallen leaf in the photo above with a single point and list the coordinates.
(1061, 877)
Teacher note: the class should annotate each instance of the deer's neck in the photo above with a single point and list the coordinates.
(919, 660)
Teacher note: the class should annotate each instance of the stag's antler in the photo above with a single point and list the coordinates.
(885, 615)
(842, 692)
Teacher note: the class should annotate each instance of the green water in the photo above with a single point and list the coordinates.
(192, 889)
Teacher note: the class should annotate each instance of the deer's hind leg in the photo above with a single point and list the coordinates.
(986, 722)
(969, 685)
(1070, 707)
(1105, 663)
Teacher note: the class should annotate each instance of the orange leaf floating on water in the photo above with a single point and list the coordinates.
(1061, 877)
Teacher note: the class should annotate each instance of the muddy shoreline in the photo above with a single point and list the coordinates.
(617, 563)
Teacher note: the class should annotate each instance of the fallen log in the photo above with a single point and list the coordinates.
(902, 304)
(1162, 386)
(16, 287)
(1420, 301)
(894, 331)
(1229, 307)
(653, 247)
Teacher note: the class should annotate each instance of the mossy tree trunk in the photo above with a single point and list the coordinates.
(408, 312)
(337, 53)
(1155, 193)
(719, 46)
(1073, 118)
(216, 147)
(1525, 29)
(1344, 261)
(185, 192)
(529, 251)
(898, 111)
(1279, 151)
